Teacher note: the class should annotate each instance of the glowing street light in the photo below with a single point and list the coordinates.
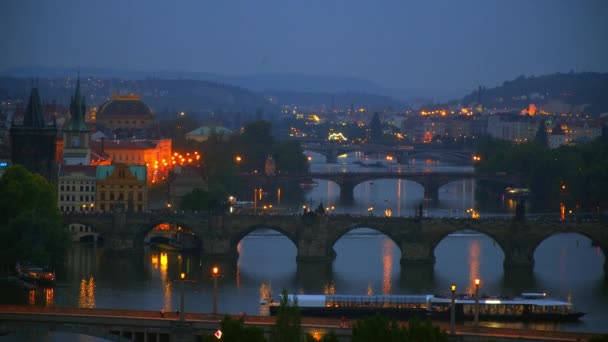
(453, 312)
(215, 272)
(477, 301)
(182, 278)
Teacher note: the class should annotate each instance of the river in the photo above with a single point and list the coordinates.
(366, 262)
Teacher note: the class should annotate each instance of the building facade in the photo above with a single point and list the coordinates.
(76, 188)
(126, 112)
(121, 187)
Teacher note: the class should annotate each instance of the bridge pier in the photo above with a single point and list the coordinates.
(416, 254)
(518, 258)
(347, 191)
(431, 191)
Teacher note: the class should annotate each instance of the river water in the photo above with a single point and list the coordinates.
(366, 262)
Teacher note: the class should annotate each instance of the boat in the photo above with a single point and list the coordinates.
(35, 274)
(529, 307)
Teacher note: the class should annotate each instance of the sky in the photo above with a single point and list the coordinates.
(399, 44)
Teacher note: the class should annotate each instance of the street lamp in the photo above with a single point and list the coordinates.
(215, 272)
(476, 301)
(453, 312)
(182, 278)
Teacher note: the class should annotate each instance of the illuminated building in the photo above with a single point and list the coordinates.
(155, 155)
(513, 127)
(121, 187)
(557, 137)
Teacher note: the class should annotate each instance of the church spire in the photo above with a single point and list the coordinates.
(77, 110)
(33, 114)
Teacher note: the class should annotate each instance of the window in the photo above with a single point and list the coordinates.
(111, 196)
(62, 188)
(103, 196)
(139, 207)
(81, 188)
(73, 187)
(140, 196)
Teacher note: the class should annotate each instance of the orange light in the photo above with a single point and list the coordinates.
(476, 281)
(182, 276)
(215, 270)
(453, 288)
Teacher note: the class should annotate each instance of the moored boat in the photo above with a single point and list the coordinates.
(528, 307)
(35, 274)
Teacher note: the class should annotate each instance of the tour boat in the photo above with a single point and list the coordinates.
(35, 274)
(526, 307)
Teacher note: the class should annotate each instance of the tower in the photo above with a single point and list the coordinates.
(76, 133)
(33, 142)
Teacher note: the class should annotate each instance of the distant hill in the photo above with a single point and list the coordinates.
(262, 82)
(335, 100)
(160, 94)
(568, 93)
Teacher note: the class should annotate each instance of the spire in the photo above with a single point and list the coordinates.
(77, 110)
(33, 114)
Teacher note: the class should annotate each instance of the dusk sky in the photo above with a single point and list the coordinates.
(395, 43)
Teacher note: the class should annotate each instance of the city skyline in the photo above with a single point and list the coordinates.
(443, 47)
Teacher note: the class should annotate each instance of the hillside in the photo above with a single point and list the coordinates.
(161, 95)
(563, 93)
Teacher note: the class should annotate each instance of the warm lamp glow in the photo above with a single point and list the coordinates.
(182, 276)
(453, 288)
(477, 282)
(215, 270)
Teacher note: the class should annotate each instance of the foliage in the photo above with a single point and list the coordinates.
(598, 338)
(378, 328)
(581, 168)
(381, 328)
(541, 138)
(375, 127)
(329, 337)
(288, 323)
(30, 222)
(201, 200)
(235, 330)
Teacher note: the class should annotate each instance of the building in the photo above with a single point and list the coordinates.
(270, 167)
(33, 142)
(127, 112)
(204, 132)
(155, 155)
(121, 187)
(513, 127)
(76, 133)
(184, 179)
(557, 137)
(76, 188)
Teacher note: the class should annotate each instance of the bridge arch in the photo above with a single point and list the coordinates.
(339, 233)
(595, 242)
(144, 229)
(237, 237)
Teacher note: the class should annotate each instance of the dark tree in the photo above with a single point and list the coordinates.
(30, 222)
(541, 135)
(288, 324)
(375, 127)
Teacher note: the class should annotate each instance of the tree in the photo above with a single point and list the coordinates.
(541, 135)
(375, 127)
(381, 328)
(288, 324)
(30, 222)
(235, 330)
(199, 199)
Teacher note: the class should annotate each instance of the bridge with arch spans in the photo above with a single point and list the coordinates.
(315, 236)
(431, 182)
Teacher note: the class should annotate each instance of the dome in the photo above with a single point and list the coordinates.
(124, 105)
(124, 111)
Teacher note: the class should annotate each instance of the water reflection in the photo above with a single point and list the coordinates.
(41, 296)
(473, 265)
(86, 296)
(387, 266)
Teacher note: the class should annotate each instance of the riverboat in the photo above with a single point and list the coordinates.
(533, 307)
(34, 274)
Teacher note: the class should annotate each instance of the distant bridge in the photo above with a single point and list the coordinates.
(347, 181)
(401, 153)
(314, 237)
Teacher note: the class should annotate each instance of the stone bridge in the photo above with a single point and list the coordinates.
(314, 237)
(347, 181)
(332, 151)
